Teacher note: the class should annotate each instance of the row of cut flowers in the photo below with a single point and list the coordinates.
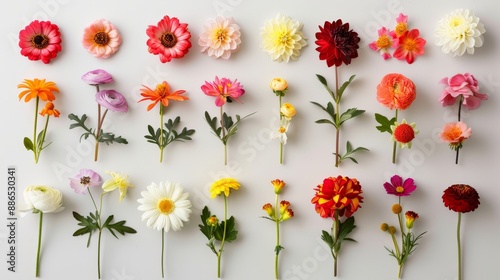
(165, 206)
(395, 91)
(282, 38)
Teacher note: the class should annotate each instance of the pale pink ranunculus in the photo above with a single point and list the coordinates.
(97, 77)
(463, 86)
(112, 100)
(455, 133)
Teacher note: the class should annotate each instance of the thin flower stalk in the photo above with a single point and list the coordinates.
(37, 270)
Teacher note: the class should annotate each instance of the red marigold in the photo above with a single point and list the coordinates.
(396, 91)
(461, 198)
(40, 40)
(342, 194)
(169, 39)
(336, 43)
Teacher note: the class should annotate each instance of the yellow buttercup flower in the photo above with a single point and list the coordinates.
(224, 185)
(117, 181)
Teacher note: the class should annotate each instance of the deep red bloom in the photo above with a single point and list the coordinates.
(461, 198)
(336, 43)
(337, 193)
(40, 40)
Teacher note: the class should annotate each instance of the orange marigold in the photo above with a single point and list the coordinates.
(337, 194)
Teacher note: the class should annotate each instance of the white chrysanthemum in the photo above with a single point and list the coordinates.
(283, 38)
(458, 32)
(165, 206)
(220, 37)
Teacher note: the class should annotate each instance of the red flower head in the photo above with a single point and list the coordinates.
(409, 46)
(169, 39)
(40, 40)
(396, 91)
(461, 198)
(336, 43)
(341, 194)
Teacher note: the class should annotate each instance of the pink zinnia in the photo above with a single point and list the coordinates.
(464, 86)
(40, 40)
(169, 39)
(409, 46)
(223, 90)
(398, 187)
(383, 42)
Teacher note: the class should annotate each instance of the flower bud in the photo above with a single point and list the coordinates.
(410, 218)
(278, 185)
(279, 86)
(287, 215)
(283, 206)
(396, 208)
(269, 209)
(288, 111)
(212, 221)
(384, 227)
(392, 230)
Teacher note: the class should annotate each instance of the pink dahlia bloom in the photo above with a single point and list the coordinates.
(223, 90)
(463, 86)
(169, 39)
(220, 37)
(40, 40)
(101, 39)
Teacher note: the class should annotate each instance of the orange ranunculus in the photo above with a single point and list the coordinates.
(38, 88)
(396, 91)
(342, 194)
(161, 94)
(455, 133)
(49, 110)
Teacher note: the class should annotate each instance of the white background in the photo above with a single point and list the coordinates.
(253, 158)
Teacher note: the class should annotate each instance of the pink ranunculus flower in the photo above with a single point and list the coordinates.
(85, 179)
(455, 133)
(97, 77)
(112, 100)
(464, 86)
(224, 90)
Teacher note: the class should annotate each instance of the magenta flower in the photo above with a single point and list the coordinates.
(399, 188)
(463, 86)
(85, 178)
(223, 90)
(112, 100)
(97, 77)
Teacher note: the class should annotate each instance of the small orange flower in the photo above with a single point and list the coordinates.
(287, 215)
(410, 218)
(161, 94)
(269, 209)
(455, 133)
(278, 185)
(49, 110)
(396, 91)
(284, 206)
(37, 88)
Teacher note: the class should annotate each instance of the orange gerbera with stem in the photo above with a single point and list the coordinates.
(161, 94)
(39, 89)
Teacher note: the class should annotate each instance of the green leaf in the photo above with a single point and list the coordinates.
(345, 228)
(325, 236)
(234, 127)
(206, 229)
(28, 144)
(110, 138)
(325, 84)
(349, 152)
(212, 123)
(329, 109)
(88, 224)
(120, 227)
(325, 121)
(278, 248)
(343, 88)
(385, 123)
(349, 114)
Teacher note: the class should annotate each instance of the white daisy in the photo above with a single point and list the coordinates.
(281, 132)
(165, 206)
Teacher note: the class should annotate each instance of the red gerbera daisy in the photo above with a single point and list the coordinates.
(336, 43)
(40, 40)
(169, 39)
(461, 198)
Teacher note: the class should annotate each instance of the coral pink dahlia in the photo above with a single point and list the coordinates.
(40, 40)
(169, 39)
(101, 39)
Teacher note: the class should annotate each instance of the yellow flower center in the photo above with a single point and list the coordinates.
(101, 38)
(400, 29)
(161, 90)
(400, 189)
(40, 41)
(456, 21)
(410, 45)
(168, 40)
(219, 35)
(383, 42)
(166, 206)
(282, 129)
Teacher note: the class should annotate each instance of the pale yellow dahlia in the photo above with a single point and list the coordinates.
(458, 32)
(283, 38)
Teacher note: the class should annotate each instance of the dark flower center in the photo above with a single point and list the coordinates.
(168, 40)
(101, 38)
(40, 41)
(85, 180)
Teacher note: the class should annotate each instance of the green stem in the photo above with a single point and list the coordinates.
(400, 220)
(219, 255)
(43, 138)
(400, 271)
(98, 132)
(337, 118)
(99, 254)
(35, 146)
(459, 247)
(395, 143)
(396, 247)
(459, 115)
(281, 143)
(223, 134)
(162, 253)
(161, 133)
(37, 272)
(335, 235)
(278, 218)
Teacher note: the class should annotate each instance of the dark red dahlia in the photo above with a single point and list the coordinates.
(461, 198)
(336, 43)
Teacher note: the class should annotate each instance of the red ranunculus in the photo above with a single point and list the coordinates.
(336, 43)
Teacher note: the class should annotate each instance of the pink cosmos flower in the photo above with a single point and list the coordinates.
(85, 178)
(223, 90)
(97, 77)
(101, 39)
(169, 39)
(220, 37)
(40, 40)
(384, 41)
(464, 86)
(398, 187)
(112, 100)
(409, 46)
(455, 133)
